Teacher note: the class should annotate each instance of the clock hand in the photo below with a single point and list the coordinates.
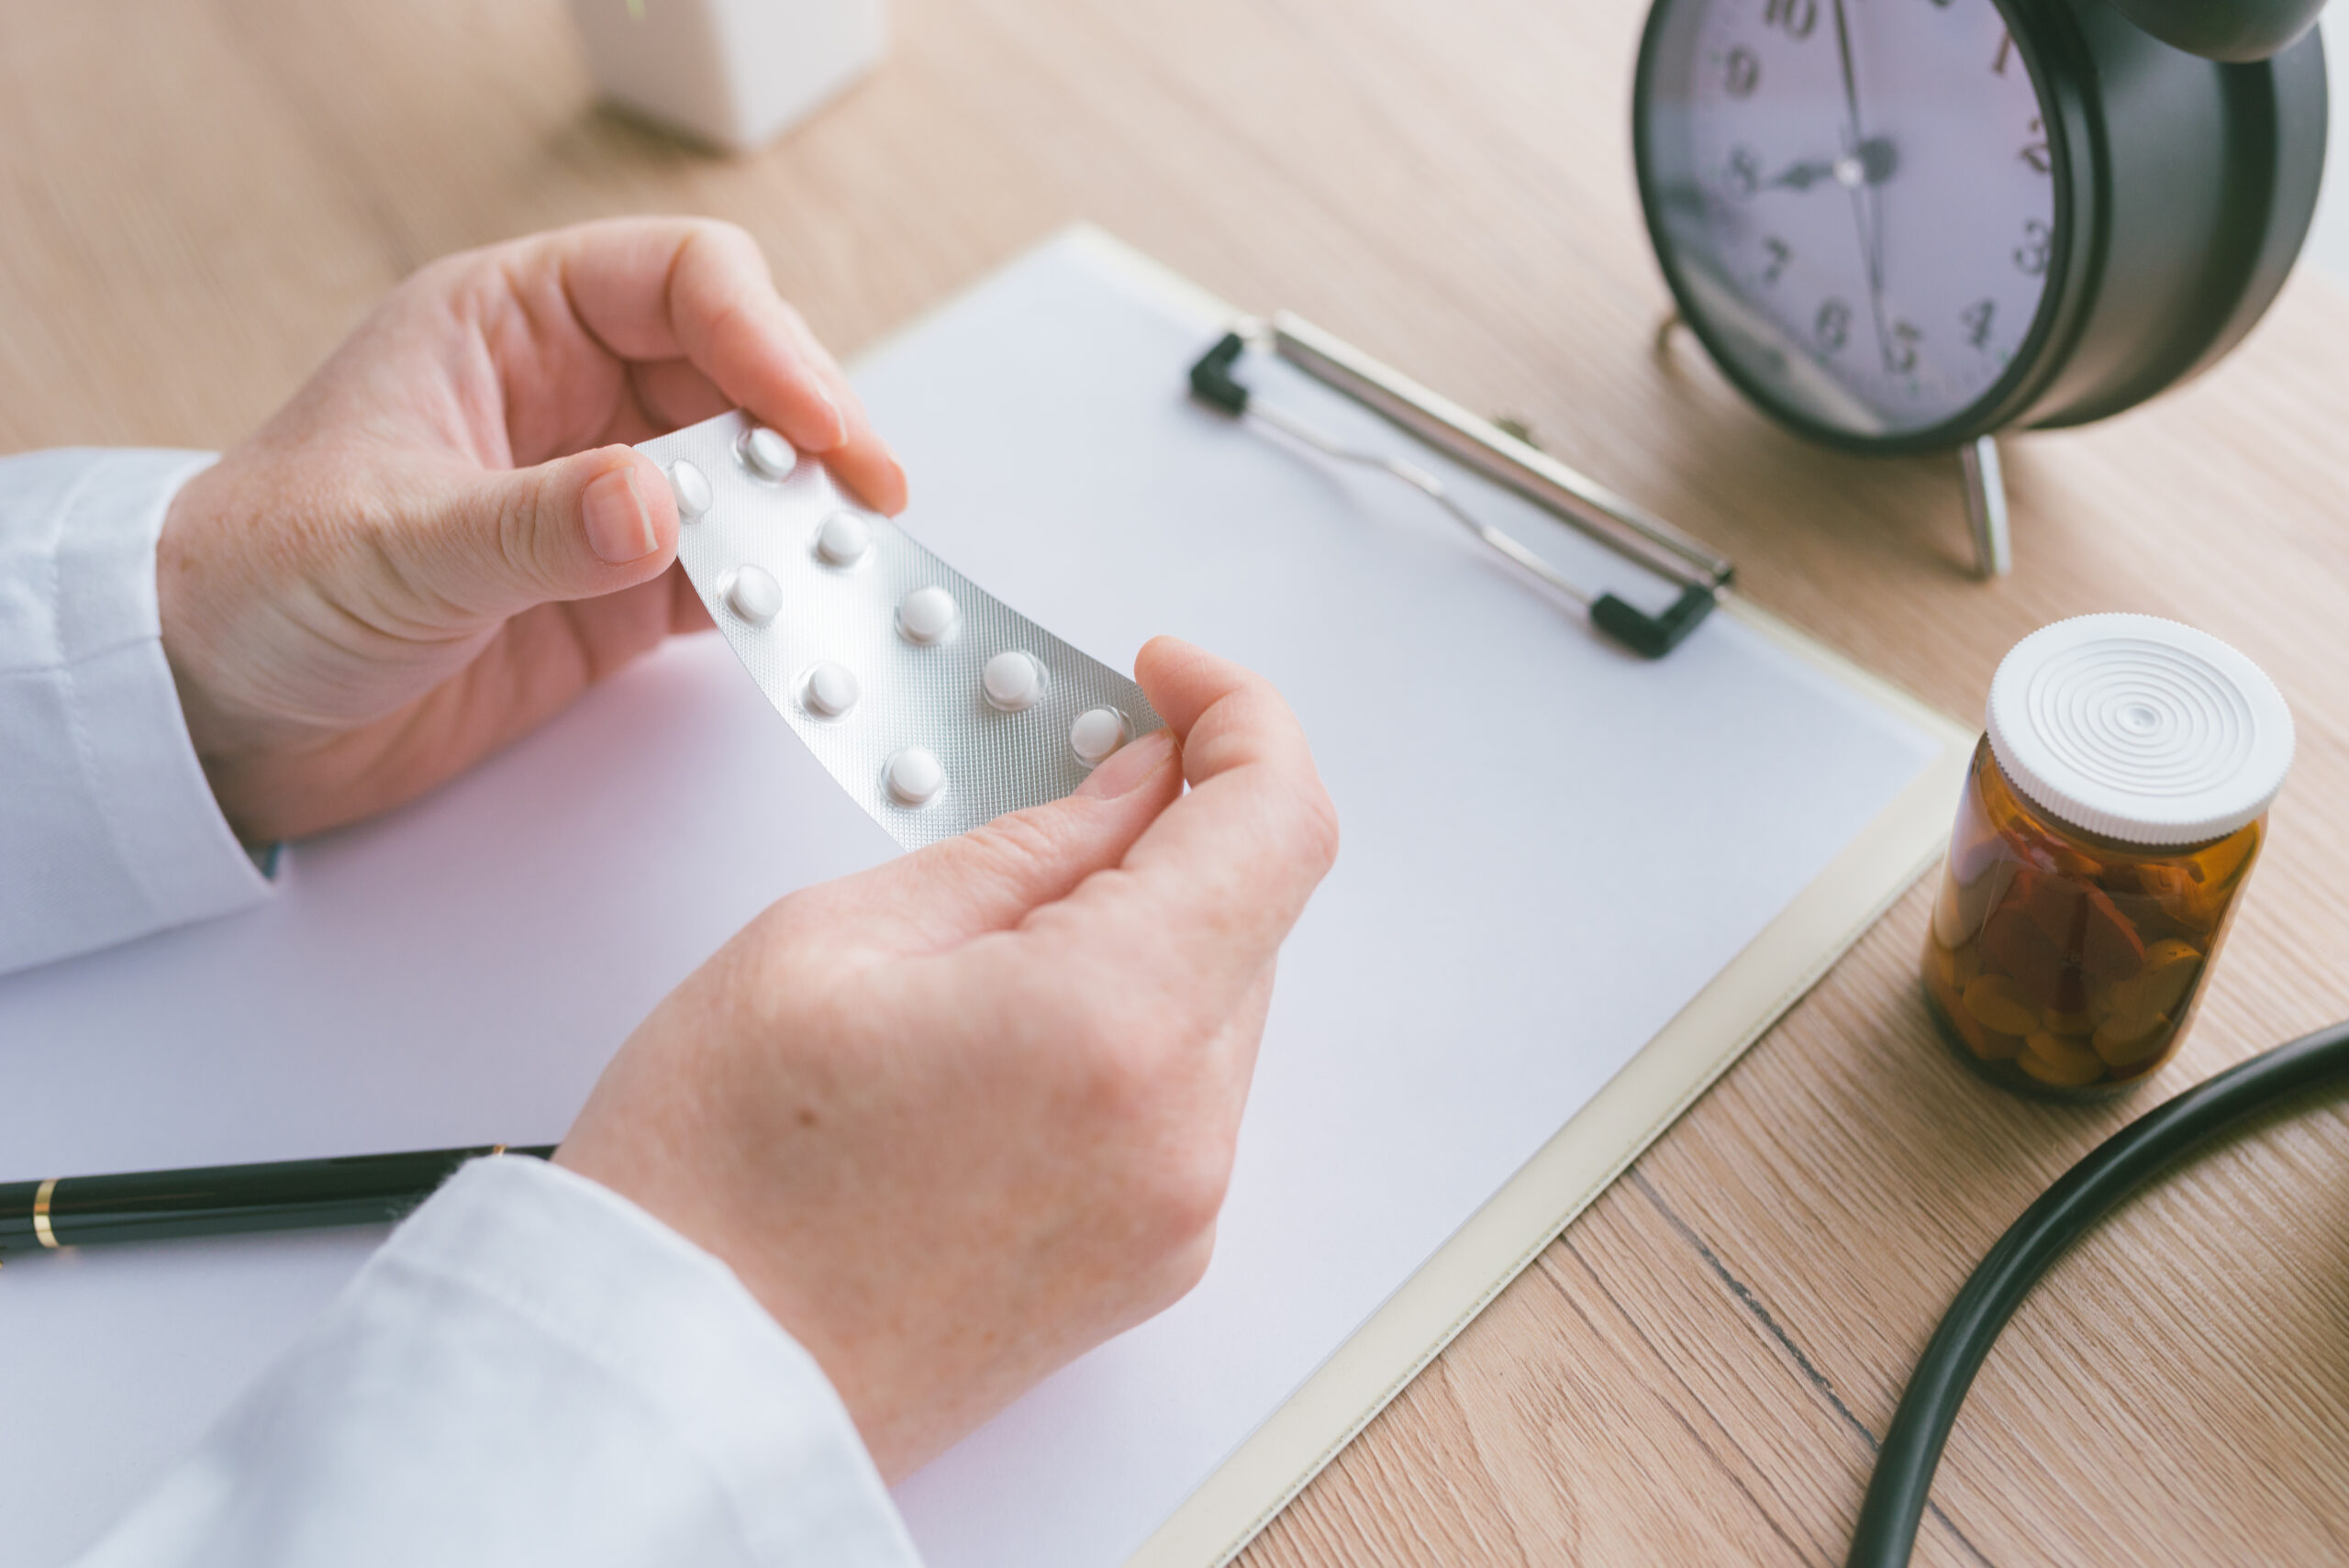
(1872, 165)
(1857, 148)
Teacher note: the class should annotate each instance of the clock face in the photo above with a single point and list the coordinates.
(1857, 197)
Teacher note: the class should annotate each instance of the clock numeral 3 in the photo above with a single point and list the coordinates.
(1900, 349)
(1978, 318)
(1744, 72)
(1793, 18)
(2031, 256)
(1833, 325)
(2036, 153)
(1780, 257)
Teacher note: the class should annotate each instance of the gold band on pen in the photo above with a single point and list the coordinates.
(41, 1214)
(495, 1152)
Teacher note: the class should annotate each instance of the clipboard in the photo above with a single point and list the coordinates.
(1397, 1167)
(1274, 1460)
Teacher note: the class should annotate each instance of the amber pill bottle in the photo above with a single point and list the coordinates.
(2116, 806)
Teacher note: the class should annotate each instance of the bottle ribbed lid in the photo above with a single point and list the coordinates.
(2139, 729)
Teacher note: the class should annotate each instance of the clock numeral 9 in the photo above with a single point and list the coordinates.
(1900, 349)
(1744, 72)
(2036, 153)
(2031, 256)
(1833, 325)
(1978, 318)
(1743, 175)
(1793, 18)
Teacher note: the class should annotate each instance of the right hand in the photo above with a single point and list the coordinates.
(960, 1118)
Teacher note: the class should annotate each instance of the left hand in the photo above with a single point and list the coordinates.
(444, 538)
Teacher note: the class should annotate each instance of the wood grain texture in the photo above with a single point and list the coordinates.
(198, 197)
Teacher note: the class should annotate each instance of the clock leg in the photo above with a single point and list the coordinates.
(1985, 507)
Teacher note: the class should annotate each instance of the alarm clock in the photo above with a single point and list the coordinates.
(1903, 225)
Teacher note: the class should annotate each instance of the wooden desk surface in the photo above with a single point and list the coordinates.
(198, 198)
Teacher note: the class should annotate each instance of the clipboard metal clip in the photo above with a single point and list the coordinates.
(1581, 503)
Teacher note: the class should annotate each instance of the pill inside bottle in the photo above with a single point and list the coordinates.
(916, 775)
(927, 614)
(1012, 680)
(832, 689)
(754, 595)
(1096, 732)
(843, 539)
(691, 487)
(769, 454)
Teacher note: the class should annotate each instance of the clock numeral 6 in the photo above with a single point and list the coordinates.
(1793, 18)
(1978, 318)
(1900, 349)
(1744, 72)
(2031, 256)
(1833, 325)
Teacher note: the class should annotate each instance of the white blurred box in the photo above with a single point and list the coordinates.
(735, 74)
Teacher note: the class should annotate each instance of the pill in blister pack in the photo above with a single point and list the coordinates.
(935, 706)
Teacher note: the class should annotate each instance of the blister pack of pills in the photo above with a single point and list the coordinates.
(936, 706)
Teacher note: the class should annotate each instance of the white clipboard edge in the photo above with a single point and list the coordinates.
(1412, 1327)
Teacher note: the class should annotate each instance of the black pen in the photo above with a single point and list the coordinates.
(220, 1200)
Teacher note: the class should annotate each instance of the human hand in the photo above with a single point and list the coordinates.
(959, 1118)
(444, 539)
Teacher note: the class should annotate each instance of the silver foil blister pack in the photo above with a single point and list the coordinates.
(878, 687)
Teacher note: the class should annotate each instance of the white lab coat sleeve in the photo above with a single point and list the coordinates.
(108, 829)
(531, 1370)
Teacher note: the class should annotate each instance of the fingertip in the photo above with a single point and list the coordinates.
(873, 471)
(625, 508)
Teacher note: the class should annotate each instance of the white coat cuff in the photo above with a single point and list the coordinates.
(107, 826)
(531, 1370)
(676, 1335)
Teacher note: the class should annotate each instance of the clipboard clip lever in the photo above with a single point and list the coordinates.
(1582, 503)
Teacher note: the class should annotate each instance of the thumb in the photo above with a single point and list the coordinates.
(499, 542)
(989, 878)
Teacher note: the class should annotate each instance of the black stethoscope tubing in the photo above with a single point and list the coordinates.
(2090, 1190)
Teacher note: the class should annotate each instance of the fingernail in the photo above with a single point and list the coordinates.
(840, 420)
(1130, 767)
(619, 525)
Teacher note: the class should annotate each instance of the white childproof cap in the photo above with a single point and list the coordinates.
(2139, 729)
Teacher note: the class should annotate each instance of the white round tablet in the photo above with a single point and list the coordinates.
(831, 689)
(754, 595)
(916, 775)
(843, 539)
(768, 454)
(1012, 680)
(927, 614)
(1096, 732)
(691, 487)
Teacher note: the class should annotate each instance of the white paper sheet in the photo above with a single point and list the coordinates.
(1550, 847)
